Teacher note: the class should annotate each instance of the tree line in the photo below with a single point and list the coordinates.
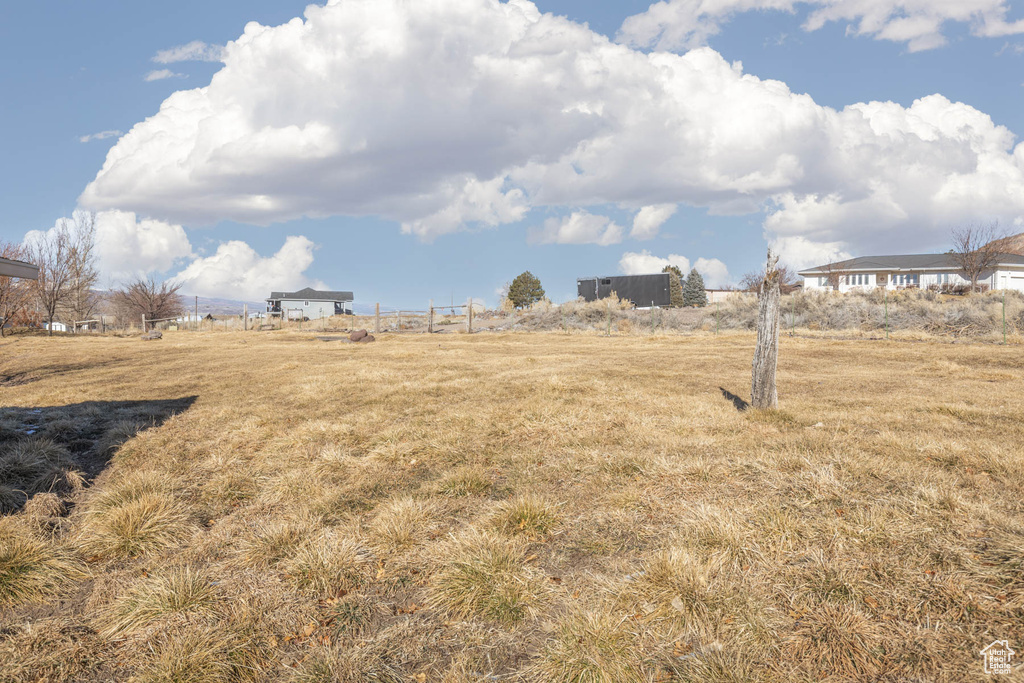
(67, 290)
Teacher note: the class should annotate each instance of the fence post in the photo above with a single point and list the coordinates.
(887, 311)
(1004, 316)
(376, 319)
(469, 316)
(197, 313)
(143, 323)
(245, 317)
(608, 312)
(716, 318)
(430, 317)
(652, 318)
(792, 316)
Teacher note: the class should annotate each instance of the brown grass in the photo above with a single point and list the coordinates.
(527, 507)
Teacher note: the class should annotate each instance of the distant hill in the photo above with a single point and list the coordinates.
(213, 306)
(1014, 244)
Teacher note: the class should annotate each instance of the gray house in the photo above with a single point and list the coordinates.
(310, 303)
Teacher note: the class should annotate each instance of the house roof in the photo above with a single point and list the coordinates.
(313, 294)
(904, 262)
(11, 268)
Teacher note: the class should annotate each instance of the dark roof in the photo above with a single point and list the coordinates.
(904, 262)
(11, 268)
(314, 294)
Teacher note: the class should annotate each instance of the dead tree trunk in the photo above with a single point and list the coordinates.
(766, 355)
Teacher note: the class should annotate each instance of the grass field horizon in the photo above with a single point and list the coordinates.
(506, 506)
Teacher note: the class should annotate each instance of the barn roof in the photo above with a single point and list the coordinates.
(309, 293)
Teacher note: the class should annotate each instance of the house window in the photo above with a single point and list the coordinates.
(305, 303)
(606, 282)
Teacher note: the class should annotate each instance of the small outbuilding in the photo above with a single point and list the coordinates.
(643, 290)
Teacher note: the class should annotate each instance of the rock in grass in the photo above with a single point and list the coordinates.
(367, 338)
(358, 335)
(149, 336)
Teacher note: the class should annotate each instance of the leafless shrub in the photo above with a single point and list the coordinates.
(144, 297)
(976, 249)
(14, 292)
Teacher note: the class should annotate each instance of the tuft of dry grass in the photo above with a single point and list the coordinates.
(838, 641)
(32, 569)
(29, 466)
(400, 523)
(528, 515)
(485, 576)
(272, 542)
(330, 665)
(179, 592)
(327, 564)
(132, 526)
(591, 647)
(194, 655)
(466, 481)
(678, 581)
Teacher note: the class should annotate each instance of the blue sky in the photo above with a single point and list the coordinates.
(77, 69)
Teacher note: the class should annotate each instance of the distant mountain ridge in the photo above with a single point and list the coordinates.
(1014, 244)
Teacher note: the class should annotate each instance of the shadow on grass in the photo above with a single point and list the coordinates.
(60, 449)
(738, 403)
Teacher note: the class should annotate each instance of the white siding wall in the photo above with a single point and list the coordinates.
(310, 309)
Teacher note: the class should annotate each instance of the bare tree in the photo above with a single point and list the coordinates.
(82, 298)
(51, 251)
(788, 281)
(976, 248)
(142, 296)
(14, 292)
(763, 393)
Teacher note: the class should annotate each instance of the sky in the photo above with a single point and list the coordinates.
(434, 149)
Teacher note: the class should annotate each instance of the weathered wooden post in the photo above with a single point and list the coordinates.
(763, 393)
(143, 324)
(245, 317)
(430, 317)
(469, 316)
(376, 319)
(197, 314)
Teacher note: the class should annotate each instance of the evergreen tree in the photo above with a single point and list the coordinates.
(525, 290)
(693, 292)
(675, 285)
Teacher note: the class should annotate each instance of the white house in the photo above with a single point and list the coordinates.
(310, 303)
(910, 271)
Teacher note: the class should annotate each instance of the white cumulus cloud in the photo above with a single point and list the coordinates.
(451, 115)
(714, 271)
(237, 271)
(127, 246)
(161, 74)
(649, 219)
(102, 135)
(579, 227)
(675, 24)
(196, 51)
(644, 263)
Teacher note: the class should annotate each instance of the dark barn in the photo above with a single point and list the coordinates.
(642, 290)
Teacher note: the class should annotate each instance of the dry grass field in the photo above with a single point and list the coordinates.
(506, 507)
